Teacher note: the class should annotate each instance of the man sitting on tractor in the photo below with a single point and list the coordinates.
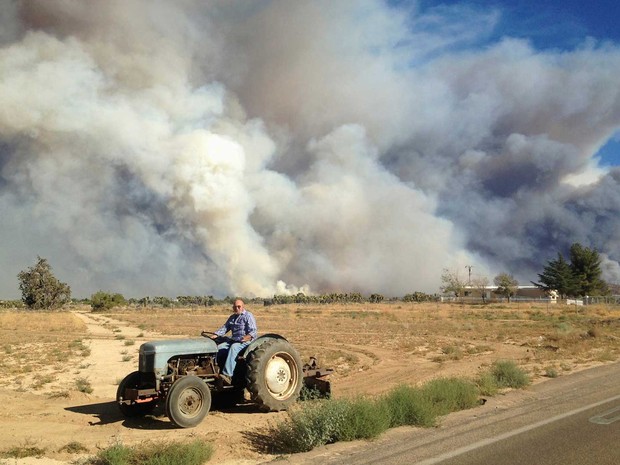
(242, 325)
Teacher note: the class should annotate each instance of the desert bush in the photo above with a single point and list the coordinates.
(316, 424)
(450, 394)
(40, 288)
(508, 375)
(100, 301)
(487, 384)
(149, 453)
(324, 422)
(409, 407)
(419, 297)
(364, 419)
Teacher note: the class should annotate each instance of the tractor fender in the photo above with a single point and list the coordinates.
(259, 341)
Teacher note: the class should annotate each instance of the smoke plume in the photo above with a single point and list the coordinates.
(231, 147)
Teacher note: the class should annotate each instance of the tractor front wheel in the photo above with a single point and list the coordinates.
(134, 409)
(274, 375)
(188, 401)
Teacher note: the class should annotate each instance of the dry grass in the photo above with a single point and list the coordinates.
(341, 335)
(38, 345)
(547, 340)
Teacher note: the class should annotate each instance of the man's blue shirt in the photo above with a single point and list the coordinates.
(239, 325)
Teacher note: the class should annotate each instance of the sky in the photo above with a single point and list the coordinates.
(251, 148)
(547, 25)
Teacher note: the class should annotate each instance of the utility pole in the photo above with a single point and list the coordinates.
(469, 267)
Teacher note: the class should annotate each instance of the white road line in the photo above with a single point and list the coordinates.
(501, 437)
(606, 418)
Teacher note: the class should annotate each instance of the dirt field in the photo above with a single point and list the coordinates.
(61, 370)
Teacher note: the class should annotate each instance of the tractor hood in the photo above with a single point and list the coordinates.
(154, 355)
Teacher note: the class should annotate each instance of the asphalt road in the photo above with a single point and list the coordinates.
(571, 420)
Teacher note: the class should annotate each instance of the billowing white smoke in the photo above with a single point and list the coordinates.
(166, 148)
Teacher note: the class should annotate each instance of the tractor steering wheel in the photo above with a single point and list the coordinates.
(216, 337)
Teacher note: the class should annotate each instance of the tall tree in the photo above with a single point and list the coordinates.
(481, 284)
(506, 284)
(558, 275)
(585, 264)
(40, 288)
(451, 283)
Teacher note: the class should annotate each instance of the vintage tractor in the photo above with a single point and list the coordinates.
(182, 373)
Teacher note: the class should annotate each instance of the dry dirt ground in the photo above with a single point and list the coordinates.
(61, 370)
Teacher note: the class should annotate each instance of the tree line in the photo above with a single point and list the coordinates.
(580, 276)
(41, 290)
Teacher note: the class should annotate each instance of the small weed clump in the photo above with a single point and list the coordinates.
(40, 380)
(172, 453)
(27, 449)
(83, 385)
(551, 372)
(452, 352)
(73, 447)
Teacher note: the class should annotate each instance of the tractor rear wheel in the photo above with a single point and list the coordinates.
(274, 375)
(135, 409)
(188, 401)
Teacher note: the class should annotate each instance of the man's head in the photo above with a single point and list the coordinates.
(238, 306)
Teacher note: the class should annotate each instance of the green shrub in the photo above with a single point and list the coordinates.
(41, 290)
(508, 375)
(316, 424)
(117, 454)
(172, 453)
(364, 419)
(324, 422)
(487, 384)
(450, 394)
(100, 301)
(409, 407)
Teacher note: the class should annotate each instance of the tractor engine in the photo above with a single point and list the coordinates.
(198, 365)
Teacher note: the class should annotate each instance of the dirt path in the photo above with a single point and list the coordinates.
(93, 420)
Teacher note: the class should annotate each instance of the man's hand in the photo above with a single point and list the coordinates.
(209, 334)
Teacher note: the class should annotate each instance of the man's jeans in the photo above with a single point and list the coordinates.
(230, 351)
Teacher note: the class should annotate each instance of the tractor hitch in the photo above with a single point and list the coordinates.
(315, 378)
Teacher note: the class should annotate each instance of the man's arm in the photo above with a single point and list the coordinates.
(251, 329)
(224, 329)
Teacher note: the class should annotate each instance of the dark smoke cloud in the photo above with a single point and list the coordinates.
(166, 148)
